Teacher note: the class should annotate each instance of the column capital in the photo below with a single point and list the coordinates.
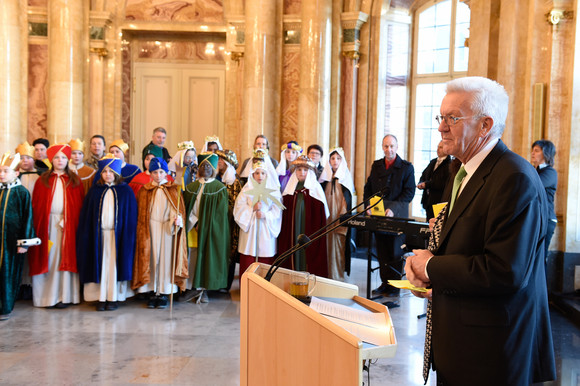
(236, 36)
(351, 23)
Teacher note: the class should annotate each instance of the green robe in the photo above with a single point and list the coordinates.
(213, 234)
(16, 221)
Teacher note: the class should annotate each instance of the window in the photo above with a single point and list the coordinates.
(441, 28)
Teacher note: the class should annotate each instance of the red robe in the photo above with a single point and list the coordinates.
(41, 203)
(141, 179)
(316, 259)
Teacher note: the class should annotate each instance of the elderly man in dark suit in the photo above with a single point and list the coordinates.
(490, 321)
(397, 176)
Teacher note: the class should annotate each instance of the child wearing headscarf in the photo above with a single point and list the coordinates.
(106, 237)
(160, 266)
(338, 187)
(56, 204)
(306, 212)
(258, 212)
(16, 229)
(290, 152)
(183, 165)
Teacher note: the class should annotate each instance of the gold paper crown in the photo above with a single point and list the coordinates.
(258, 164)
(210, 138)
(260, 153)
(303, 161)
(293, 146)
(337, 149)
(25, 149)
(76, 144)
(186, 145)
(10, 161)
(121, 145)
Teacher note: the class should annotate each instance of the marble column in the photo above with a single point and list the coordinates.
(10, 75)
(96, 93)
(314, 93)
(68, 44)
(261, 90)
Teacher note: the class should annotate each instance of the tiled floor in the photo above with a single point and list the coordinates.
(198, 346)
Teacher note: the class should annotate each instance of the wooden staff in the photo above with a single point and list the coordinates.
(174, 255)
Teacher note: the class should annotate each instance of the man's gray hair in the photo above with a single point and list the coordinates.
(489, 99)
(160, 129)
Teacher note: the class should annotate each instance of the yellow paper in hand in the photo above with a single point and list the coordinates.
(438, 208)
(50, 243)
(406, 284)
(378, 210)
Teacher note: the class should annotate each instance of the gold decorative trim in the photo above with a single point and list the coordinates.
(556, 15)
(351, 54)
(237, 56)
(102, 52)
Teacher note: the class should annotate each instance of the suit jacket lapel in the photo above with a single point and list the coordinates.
(470, 190)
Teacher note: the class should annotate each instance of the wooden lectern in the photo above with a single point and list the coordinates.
(285, 342)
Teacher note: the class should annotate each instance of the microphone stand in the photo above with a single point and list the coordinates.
(302, 243)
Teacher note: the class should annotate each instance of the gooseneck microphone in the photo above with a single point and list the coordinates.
(304, 241)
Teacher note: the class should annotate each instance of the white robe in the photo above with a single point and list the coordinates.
(161, 223)
(109, 289)
(55, 286)
(257, 236)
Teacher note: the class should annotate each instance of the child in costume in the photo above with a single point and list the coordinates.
(306, 212)
(56, 205)
(338, 187)
(183, 165)
(27, 172)
(128, 171)
(16, 229)
(28, 176)
(106, 238)
(258, 212)
(207, 203)
(161, 258)
(290, 152)
(144, 177)
(211, 144)
(227, 175)
(76, 164)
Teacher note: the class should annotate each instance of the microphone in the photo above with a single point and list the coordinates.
(304, 241)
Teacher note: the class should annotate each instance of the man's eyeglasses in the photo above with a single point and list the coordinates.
(450, 120)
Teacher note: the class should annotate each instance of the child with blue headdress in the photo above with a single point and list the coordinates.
(160, 266)
(106, 237)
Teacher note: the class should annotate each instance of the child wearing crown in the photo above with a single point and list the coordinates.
(306, 212)
(77, 165)
(207, 212)
(17, 231)
(290, 152)
(160, 266)
(106, 237)
(56, 205)
(258, 212)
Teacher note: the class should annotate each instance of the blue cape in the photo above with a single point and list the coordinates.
(89, 235)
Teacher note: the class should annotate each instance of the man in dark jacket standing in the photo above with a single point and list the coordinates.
(397, 175)
(433, 180)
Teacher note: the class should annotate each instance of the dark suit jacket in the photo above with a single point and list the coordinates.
(435, 181)
(400, 177)
(491, 324)
(549, 178)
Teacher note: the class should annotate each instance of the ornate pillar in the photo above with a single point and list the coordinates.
(67, 47)
(314, 93)
(11, 20)
(261, 98)
(98, 54)
(234, 85)
(351, 24)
